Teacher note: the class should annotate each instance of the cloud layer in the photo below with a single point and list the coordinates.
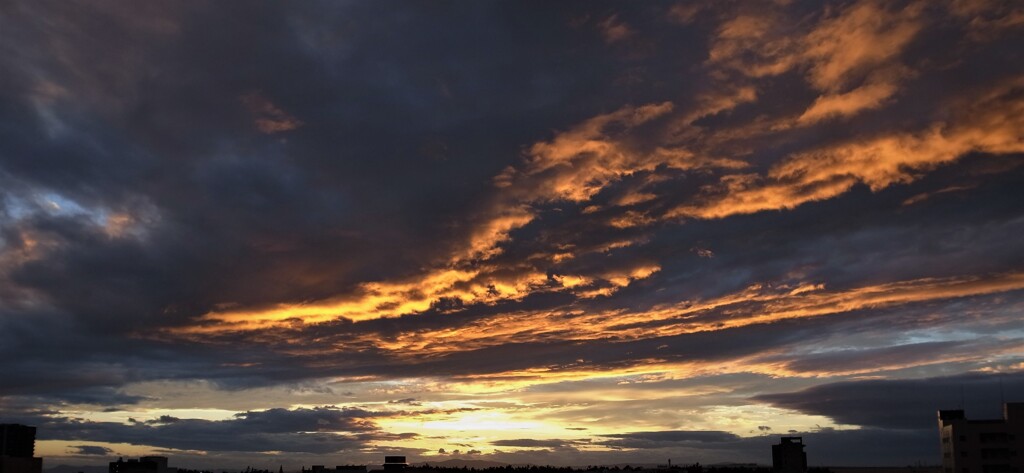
(589, 234)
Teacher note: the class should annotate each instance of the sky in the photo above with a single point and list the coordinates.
(569, 233)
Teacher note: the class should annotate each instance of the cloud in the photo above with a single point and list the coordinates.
(862, 361)
(842, 45)
(532, 443)
(409, 400)
(215, 217)
(268, 117)
(927, 195)
(573, 167)
(315, 430)
(901, 403)
(852, 56)
(986, 19)
(661, 439)
(862, 37)
(577, 163)
(868, 96)
(987, 125)
(614, 30)
(90, 450)
(753, 306)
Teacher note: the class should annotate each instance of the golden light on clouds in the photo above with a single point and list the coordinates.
(758, 304)
(879, 162)
(639, 231)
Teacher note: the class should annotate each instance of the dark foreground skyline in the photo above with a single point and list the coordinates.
(580, 232)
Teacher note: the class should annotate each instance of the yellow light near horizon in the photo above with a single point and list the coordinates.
(55, 449)
(476, 427)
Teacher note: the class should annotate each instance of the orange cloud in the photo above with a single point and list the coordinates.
(577, 164)
(835, 105)
(991, 124)
(836, 50)
(268, 118)
(485, 239)
(757, 304)
(862, 37)
(987, 19)
(712, 103)
(927, 195)
(684, 13)
(614, 30)
(573, 166)
(630, 219)
(852, 55)
(635, 198)
(756, 44)
(23, 246)
(376, 300)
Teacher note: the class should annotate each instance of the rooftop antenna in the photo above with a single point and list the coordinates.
(962, 397)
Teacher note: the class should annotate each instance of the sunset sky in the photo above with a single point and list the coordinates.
(584, 232)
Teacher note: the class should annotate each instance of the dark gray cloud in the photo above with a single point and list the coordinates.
(668, 438)
(823, 447)
(316, 430)
(91, 450)
(533, 443)
(162, 162)
(235, 217)
(911, 354)
(904, 403)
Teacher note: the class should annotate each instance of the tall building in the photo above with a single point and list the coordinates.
(17, 449)
(789, 456)
(161, 464)
(17, 440)
(983, 446)
(150, 464)
(394, 463)
(339, 469)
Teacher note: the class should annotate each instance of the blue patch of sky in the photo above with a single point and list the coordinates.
(53, 203)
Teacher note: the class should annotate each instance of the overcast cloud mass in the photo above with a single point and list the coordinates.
(255, 234)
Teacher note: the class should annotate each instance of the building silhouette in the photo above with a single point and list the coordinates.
(983, 446)
(150, 464)
(17, 449)
(395, 463)
(17, 440)
(339, 468)
(789, 456)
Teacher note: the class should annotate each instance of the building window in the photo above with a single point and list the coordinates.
(1000, 453)
(997, 469)
(993, 437)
